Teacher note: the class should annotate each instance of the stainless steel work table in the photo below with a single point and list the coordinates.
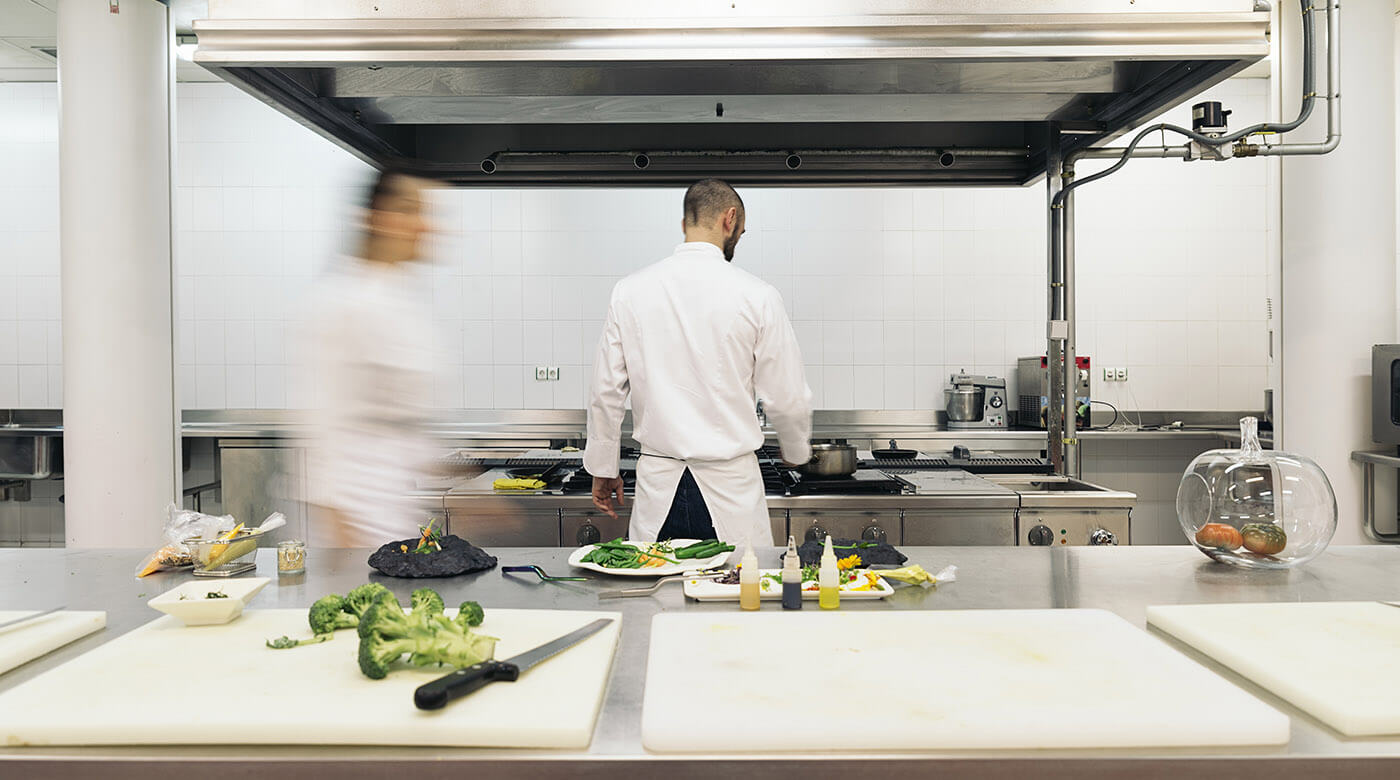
(1124, 580)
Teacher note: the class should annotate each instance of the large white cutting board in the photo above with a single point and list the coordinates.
(171, 684)
(23, 642)
(1335, 661)
(984, 679)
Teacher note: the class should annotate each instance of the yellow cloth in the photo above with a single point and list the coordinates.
(523, 483)
(915, 575)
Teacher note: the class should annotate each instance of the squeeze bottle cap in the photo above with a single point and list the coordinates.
(791, 565)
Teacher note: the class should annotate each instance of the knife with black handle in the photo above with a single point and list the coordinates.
(438, 693)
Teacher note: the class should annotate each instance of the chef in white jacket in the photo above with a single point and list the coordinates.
(696, 341)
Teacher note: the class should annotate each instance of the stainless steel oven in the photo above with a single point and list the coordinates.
(1385, 393)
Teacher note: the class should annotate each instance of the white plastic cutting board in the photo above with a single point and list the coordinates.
(23, 642)
(1335, 661)
(171, 684)
(984, 679)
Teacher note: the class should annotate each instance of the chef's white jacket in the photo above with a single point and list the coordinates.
(696, 340)
(371, 354)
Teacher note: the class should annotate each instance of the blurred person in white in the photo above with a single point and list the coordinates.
(696, 341)
(370, 350)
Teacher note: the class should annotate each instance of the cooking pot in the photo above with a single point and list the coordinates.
(830, 460)
(965, 403)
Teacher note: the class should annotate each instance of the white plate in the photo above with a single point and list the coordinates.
(709, 590)
(189, 604)
(664, 570)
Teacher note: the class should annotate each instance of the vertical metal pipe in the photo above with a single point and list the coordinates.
(1071, 367)
(1054, 407)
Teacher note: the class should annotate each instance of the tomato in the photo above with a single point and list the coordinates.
(1264, 538)
(1219, 536)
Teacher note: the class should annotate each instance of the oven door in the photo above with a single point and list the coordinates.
(960, 527)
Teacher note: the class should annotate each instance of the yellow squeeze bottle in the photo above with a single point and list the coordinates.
(748, 580)
(828, 582)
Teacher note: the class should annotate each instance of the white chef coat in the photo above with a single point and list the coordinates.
(696, 341)
(370, 346)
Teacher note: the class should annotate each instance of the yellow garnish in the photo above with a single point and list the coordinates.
(403, 548)
(849, 562)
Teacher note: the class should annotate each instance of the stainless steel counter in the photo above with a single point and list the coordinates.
(1124, 580)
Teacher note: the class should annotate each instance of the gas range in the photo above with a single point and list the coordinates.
(778, 480)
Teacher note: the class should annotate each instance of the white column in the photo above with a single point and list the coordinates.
(1338, 277)
(121, 442)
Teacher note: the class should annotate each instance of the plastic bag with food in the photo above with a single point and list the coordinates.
(182, 525)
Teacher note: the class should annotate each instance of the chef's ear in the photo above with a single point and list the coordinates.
(731, 219)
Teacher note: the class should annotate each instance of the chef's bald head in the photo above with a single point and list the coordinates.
(708, 199)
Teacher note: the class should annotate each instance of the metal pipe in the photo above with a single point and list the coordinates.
(1054, 407)
(1071, 368)
(1334, 98)
(1106, 153)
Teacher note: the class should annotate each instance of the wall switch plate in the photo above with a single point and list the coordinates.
(1121, 374)
(541, 373)
(553, 373)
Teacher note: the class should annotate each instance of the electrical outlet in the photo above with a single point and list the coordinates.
(1108, 375)
(1121, 374)
(541, 373)
(553, 373)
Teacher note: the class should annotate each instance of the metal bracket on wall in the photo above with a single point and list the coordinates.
(1369, 461)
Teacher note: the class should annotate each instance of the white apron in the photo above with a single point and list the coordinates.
(733, 491)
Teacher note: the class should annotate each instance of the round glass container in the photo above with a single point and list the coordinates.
(1256, 508)
(291, 557)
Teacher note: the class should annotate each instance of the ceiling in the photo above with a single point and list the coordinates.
(27, 27)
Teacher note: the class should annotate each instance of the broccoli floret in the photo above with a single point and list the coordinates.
(378, 653)
(286, 642)
(329, 614)
(470, 614)
(387, 633)
(426, 599)
(360, 599)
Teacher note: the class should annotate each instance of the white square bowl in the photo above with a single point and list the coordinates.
(189, 605)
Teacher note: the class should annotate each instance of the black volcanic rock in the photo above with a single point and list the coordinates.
(457, 556)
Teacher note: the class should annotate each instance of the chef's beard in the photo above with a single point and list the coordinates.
(731, 241)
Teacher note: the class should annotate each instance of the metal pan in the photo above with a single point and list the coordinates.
(830, 460)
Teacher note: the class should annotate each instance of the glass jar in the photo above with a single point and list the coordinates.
(291, 557)
(1256, 508)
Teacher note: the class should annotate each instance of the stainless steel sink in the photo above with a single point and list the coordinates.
(1058, 510)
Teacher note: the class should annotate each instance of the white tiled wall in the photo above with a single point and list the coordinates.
(890, 290)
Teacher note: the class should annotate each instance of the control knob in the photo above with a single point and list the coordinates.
(1101, 537)
(995, 403)
(815, 534)
(1041, 536)
(873, 533)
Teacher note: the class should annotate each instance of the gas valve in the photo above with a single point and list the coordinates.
(1210, 119)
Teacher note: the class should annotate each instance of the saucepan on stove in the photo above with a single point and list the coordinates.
(837, 459)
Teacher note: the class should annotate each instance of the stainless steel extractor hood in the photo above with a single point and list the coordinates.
(773, 92)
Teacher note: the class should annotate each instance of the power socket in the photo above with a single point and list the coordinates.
(553, 373)
(541, 373)
(1115, 375)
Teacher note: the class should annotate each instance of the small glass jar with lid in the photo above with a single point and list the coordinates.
(291, 557)
(1256, 508)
